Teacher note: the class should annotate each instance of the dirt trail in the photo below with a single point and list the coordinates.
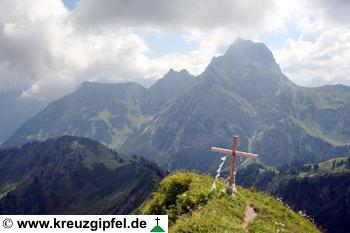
(249, 216)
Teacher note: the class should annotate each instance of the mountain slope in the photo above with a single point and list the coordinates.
(175, 122)
(185, 197)
(244, 92)
(321, 190)
(307, 124)
(104, 112)
(71, 175)
(172, 85)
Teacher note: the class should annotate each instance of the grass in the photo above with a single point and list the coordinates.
(90, 158)
(218, 90)
(331, 166)
(6, 188)
(191, 207)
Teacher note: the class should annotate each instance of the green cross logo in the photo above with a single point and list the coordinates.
(157, 228)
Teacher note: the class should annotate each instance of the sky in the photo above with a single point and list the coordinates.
(49, 47)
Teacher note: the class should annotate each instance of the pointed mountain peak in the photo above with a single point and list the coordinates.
(175, 74)
(247, 51)
(173, 78)
(185, 72)
(173, 84)
(171, 71)
(246, 45)
(250, 69)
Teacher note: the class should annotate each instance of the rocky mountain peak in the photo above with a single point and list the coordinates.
(177, 74)
(249, 51)
(246, 53)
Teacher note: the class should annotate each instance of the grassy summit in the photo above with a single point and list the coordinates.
(191, 207)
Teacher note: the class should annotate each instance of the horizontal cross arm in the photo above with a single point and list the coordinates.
(220, 150)
(246, 154)
(228, 151)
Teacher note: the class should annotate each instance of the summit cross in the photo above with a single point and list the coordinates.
(234, 153)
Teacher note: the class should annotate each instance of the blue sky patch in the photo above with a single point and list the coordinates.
(278, 40)
(166, 43)
(70, 4)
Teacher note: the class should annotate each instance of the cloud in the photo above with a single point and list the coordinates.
(43, 54)
(173, 14)
(320, 55)
(336, 11)
(213, 25)
(47, 50)
(24, 40)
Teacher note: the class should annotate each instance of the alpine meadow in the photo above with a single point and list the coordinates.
(231, 116)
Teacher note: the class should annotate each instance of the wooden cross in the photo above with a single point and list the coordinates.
(234, 153)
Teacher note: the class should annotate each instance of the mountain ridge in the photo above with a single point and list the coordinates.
(241, 92)
(247, 107)
(72, 175)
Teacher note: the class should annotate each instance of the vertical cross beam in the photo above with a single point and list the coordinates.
(234, 153)
(232, 165)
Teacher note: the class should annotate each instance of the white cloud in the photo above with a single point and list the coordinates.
(321, 54)
(336, 11)
(47, 51)
(42, 53)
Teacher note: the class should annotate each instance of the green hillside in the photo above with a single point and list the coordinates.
(191, 207)
(321, 190)
(104, 112)
(334, 166)
(71, 175)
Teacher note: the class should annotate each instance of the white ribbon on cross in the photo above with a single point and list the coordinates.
(218, 172)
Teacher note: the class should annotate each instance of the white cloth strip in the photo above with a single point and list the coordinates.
(213, 186)
(218, 172)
